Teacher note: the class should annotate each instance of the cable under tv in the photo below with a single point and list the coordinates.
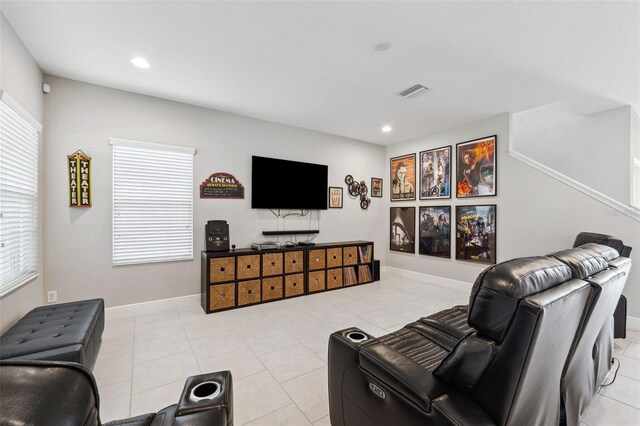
(265, 245)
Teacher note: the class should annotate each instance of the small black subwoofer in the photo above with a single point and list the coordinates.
(216, 235)
(376, 270)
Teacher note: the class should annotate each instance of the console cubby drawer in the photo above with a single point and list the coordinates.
(316, 281)
(222, 269)
(272, 264)
(248, 292)
(222, 296)
(316, 259)
(293, 285)
(248, 266)
(350, 255)
(272, 288)
(293, 262)
(334, 278)
(334, 257)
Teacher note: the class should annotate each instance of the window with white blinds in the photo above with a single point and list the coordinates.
(18, 197)
(152, 202)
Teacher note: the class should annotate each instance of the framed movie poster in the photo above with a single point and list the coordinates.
(435, 231)
(403, 178)
(476, 168)
(335, 197)
(403, 229)
(376, 187)
(435, 173)
(476, 233)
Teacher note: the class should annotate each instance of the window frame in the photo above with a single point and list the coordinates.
(37, 126)
(160, 148)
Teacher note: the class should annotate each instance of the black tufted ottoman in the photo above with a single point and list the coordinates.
(64, 332)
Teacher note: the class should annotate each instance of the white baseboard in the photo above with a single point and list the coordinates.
(433, 279)
(633, 323)
(193, 300)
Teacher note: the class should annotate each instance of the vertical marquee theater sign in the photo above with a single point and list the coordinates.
(79, 179)
(221, 185)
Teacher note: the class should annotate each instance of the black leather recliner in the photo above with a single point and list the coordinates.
(65, 393)
(591, 354)
(590, 357)
(498, 361)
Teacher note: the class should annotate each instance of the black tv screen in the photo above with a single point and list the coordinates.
(284, 184)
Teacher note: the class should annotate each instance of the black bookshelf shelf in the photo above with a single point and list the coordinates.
(299, 232)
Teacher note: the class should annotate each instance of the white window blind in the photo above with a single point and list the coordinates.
(152, 202)
(18, 197)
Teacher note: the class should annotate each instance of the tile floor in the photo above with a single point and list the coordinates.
(277, 353)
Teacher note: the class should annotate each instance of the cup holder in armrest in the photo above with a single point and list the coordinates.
(205, 391)
(357, 336)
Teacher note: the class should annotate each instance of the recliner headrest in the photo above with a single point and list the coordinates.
(498, 290)
(609, 253)
(607, 240)
(586, 260)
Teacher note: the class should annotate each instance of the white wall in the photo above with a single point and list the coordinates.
(592, 149)
(635, 157)
(21, 78)
(536, 214)
(78, 241)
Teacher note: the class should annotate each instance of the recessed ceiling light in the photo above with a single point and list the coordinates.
(140, 63)
(382, 46)
(386, 129)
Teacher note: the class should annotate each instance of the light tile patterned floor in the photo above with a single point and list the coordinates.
(277, 353)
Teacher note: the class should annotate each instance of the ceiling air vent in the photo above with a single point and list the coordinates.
(413, 90)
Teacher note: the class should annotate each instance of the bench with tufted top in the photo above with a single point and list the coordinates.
(63, 332)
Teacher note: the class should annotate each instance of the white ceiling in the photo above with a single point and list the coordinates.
(312, 64)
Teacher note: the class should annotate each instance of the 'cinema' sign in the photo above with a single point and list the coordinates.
(221, 185)
(79, 179)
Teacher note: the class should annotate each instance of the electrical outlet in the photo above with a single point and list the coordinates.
(52, 296)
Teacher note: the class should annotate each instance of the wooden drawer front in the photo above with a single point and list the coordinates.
(222, 269)
(272, 264)
(293, 285)
(334, 278)
(222, 296)
(334, 257)
(248, 266)
(316, 281)
(248, 292)
(293, 262)
(272, 288)
(316, 259)
(350, 255)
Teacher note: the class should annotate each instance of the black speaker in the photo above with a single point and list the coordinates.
(620, 319)
(376, 270)
(216, 235)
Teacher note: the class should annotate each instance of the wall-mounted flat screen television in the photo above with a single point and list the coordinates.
(284, 184)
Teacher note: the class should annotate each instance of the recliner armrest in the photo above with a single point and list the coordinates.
(400, 373)
(455, 409)
(206, 399)
(222, 399)
(343, 353)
